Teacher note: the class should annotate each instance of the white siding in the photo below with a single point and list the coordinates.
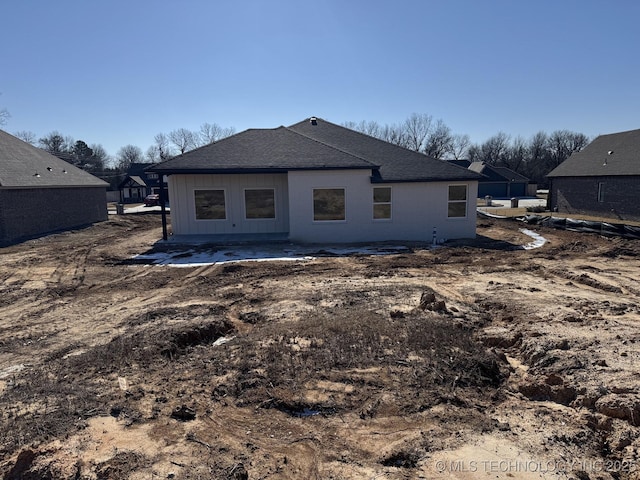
(417, 208)
(183, 213)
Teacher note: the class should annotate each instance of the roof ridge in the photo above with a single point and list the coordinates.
(333, 147)
(373, 138)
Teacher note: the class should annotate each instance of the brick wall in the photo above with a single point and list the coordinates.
(620, 196)
(26, 213)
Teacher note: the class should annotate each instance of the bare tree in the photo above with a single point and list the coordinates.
(393, 134)
(152, 155)
(127, 155)
(27, 136)
(101, 158)
(57, 145)
(183, 139)
(492, 151)
(438, 140)
(516, 155)
(163, 147)
(458, 147)
(563, 143)
(4, 115)
(210, 133)
(538, 147)
(417, 129)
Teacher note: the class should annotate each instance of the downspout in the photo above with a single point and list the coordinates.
(163, 210)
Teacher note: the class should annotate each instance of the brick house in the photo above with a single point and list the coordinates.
(40, 193)
(601, 180)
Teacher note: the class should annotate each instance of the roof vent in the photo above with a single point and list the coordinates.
(49, 168)
(610, 152)
(313, 120)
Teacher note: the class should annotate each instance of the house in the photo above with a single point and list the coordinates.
(497, 182)
(40, 193)
(317, 182)
(138, 183)
(601, 180)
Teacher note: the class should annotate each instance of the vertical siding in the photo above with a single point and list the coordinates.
(183, 213)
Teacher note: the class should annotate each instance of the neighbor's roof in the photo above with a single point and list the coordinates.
(24, 166)
(138, 180)
(261, 151)
(493, 173)
(612, 154)
(303, 146)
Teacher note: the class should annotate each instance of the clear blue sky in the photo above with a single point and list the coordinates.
(118, 72)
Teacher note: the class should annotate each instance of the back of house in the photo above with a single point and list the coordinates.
(315, 181)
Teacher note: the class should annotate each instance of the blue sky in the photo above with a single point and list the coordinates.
(118, 72)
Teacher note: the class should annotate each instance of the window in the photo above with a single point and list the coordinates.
(328, 204)
(381, 203)
(210, 205)
(601, 192)
(259, 203)
(457, 207)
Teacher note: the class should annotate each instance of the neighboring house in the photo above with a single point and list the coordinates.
(138, 183)
(497, 182)
(317, 182)
(601, 180)
(40, 193)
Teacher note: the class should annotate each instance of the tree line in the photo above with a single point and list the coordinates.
(534, 157)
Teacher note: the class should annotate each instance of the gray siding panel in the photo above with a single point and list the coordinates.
(26, 213)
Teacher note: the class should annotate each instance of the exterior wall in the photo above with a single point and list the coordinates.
(579, 195)
(134, 194)
(417, 208)
(183, 213)
(113, 196)
(27, 213)
(502, 189)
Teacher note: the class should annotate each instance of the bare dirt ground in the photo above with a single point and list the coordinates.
(476, 360)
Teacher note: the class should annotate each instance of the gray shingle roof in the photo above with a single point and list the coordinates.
(304, 146)
(24, 166)
(595, 159)
(397, 164)
(261, 150)
(497, 174)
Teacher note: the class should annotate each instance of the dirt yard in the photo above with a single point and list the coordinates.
(476, 360)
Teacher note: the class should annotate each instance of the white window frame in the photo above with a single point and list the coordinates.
(313, 205)
(244, 199)
(465, 201)
(226, 209)
(390, 203)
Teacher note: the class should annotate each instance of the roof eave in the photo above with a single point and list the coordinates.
(422, 180)
(249, 170)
